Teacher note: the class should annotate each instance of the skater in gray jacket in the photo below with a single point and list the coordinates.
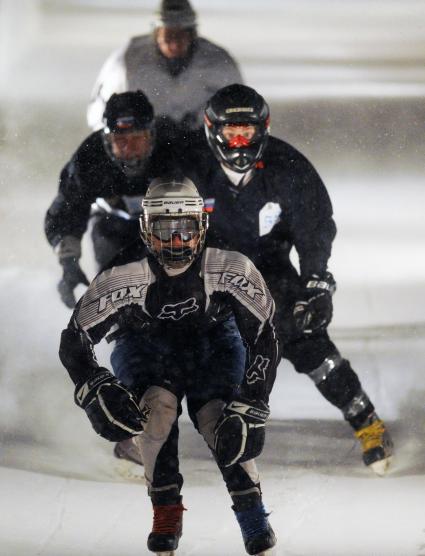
(173, 66)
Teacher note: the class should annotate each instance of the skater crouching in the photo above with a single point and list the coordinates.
(181, 317)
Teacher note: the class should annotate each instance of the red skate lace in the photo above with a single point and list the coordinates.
(167, 519)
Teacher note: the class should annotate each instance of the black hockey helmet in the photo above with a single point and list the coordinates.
(133, 105)
(129, 130)
(177, 13)
(237, 106)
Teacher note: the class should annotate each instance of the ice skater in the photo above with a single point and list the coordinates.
(187, 320)
(265, 198)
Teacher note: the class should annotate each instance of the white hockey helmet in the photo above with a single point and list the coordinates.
(173, 223)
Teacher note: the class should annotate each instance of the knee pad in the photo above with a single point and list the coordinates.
(308, 353)
(161, 404)
(207, 418)
(329, 365)
(336, 380)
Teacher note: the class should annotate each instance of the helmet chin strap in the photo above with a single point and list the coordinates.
(171, 271)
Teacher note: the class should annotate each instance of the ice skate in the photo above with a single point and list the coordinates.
(377, 446)
(130, 465)
(257, 533)
(167, 529)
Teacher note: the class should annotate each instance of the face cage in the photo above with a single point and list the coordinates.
(133, 167)
(240, 159)
(169, 256)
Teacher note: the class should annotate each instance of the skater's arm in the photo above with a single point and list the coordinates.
(111, 407)
(254, 309)
(312, 226)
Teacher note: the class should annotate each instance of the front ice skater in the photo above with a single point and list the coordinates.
(179, 317)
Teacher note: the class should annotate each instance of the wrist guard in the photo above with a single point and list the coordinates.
(240, 431)
(313, 312)
(110, 407)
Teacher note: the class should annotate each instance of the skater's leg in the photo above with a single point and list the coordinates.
(146, 363)
(139, 364)
(159, 450)
(243, 484)
(318, 358)
(218, 367)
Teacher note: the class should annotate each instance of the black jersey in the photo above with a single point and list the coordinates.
(92, 175)
(140, 296)
(284, 205)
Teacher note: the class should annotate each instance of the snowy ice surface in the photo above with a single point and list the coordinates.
(339, 83)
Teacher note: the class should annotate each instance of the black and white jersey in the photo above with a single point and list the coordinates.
(285, 204)
(140, 296)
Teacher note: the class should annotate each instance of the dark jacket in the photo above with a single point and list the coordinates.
(246, 219)
(140, 297)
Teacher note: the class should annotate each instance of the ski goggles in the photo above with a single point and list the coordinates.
(239, 135)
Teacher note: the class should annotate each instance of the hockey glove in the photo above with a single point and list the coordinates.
(111, 408)
(72, 276)
(314, 311)
(240, 431)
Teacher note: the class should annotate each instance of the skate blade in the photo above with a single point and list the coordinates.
(168, 553)
(268, 552)
(130, 471)
(381, 467)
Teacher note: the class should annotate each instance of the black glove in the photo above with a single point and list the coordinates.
(240, 431)
(72, 276)
(314, 311)
(111, 408)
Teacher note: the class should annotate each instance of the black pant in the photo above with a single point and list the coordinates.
(308, 352)
(204, 368)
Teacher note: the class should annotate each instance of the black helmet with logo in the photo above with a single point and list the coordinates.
(237, 106)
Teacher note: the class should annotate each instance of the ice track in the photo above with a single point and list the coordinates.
(347, 92)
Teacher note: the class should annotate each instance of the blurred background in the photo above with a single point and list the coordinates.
(346, 83)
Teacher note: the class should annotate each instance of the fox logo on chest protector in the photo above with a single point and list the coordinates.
(176, 311)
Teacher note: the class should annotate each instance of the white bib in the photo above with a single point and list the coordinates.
(268, 217)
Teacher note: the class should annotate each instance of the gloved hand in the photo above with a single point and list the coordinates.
(240, 431)
(72, 276)
(111, 408)
(314, 311)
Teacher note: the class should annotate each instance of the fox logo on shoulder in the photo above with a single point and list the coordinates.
(240, 282)
(122, 294)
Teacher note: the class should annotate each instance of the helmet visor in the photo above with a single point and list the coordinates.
(175, 229)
